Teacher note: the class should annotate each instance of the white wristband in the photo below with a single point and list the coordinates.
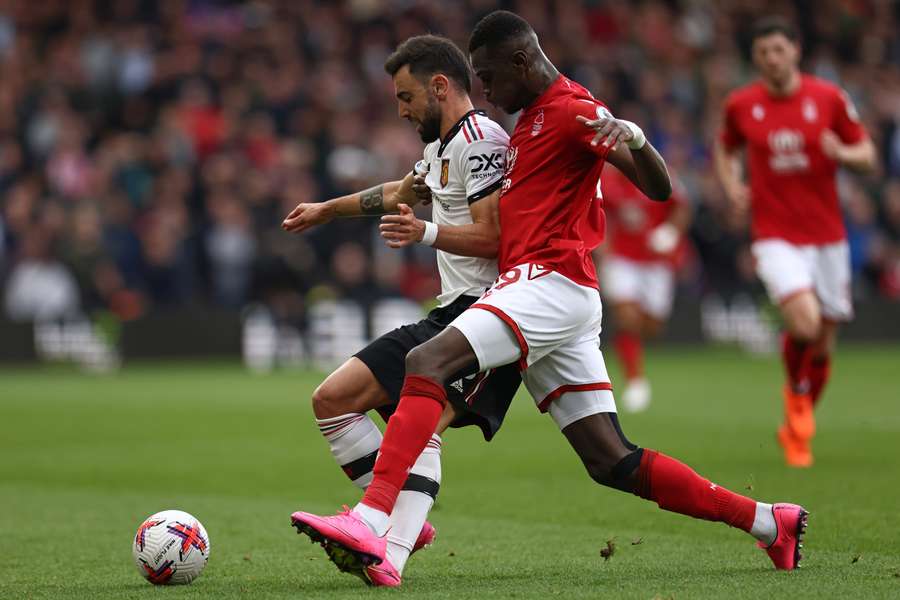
(638, 138)
(430, 235)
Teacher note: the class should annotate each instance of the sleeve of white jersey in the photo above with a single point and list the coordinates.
(483, 161)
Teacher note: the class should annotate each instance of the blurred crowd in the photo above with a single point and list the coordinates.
(149, 149)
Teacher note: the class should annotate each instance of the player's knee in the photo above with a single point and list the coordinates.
(326, 403)
(806, 327)
(419, 361)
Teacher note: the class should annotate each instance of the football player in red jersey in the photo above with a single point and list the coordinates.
(644, 247)
(544, 310)
(797, 130)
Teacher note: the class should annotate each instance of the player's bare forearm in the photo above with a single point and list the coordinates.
(728, 169)
(645, 168)
(859, 157)
(723, 162)
(376, 200)
(481, 240)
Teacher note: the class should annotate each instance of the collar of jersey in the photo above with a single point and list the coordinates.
(456, 127)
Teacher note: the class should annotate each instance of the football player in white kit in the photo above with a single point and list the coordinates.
(462, 166)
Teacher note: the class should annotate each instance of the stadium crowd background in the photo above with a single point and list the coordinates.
(149, 150)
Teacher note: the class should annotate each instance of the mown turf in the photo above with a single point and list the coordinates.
(85, 458)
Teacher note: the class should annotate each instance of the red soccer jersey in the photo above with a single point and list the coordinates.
(792, 182)
(548, 209)
(631, 218)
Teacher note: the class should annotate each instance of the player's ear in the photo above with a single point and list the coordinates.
(440, 86)
(519, 61)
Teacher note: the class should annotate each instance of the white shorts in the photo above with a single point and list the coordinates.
(551, 326)
(650, 285)
(787, 269)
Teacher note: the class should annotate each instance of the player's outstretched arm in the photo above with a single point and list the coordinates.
(377, 200)
(631, 153)
(481, 238)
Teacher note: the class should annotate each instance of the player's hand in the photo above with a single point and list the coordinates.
(307, 215)
(610, 128)
(421, 190)
(403, 229)
(832, 147)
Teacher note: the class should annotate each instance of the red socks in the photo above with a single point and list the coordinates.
(819, 370)
(796, 357)
(803, 370)
(674, 486)
(628, 347)
(422, 401)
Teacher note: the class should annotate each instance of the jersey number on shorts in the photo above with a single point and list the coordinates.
(505, 279)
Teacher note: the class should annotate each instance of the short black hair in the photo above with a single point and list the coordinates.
(427, 55)
(496, 28)
(769, 25)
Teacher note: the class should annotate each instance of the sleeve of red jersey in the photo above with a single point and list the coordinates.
(730, 135)
(846, 119)
(590, 109)
(483, 160)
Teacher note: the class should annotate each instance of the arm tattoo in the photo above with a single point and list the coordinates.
(371, 201)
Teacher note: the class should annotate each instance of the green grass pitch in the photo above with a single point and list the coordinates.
(86, 458)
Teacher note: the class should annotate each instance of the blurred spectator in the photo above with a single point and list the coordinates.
(154, 147)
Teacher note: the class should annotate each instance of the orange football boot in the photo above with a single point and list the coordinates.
(798, 414)
(797, 452)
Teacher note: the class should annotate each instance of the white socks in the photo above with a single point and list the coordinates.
(764, 527)
(374, 518)
(354, 440)
(413, 503)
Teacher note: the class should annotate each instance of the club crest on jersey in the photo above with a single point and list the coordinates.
(445, 171)
(538, 124)
(758, 112)
(810, 112)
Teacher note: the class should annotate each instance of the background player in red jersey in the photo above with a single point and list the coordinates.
(797, 130)
(645, 241)
(544, 310)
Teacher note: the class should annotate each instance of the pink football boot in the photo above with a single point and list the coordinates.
(426, 537)
(790, 520)
(345, 530)
(383, 575)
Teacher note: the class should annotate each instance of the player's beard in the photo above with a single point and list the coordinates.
(431, 122)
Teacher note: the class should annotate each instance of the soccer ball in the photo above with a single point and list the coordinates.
(170, 548)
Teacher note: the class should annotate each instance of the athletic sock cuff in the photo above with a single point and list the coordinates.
(335, 426)
(643, 487)
(381, 495)
(418, 385)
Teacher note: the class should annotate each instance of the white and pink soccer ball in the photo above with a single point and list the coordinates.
(171, 547)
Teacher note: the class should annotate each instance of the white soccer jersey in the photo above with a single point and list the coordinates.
(464, 167)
